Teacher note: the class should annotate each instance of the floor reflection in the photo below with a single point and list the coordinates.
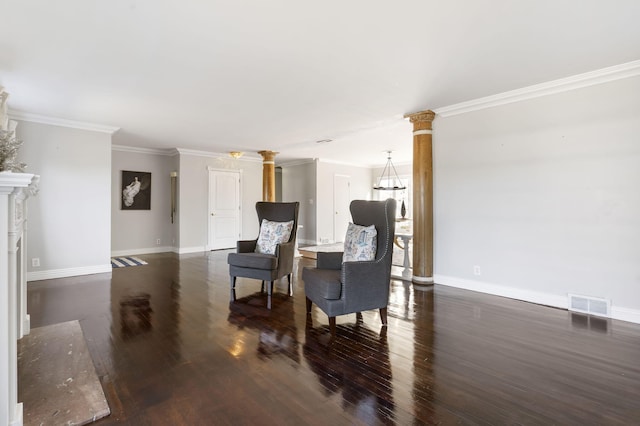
(135, 315)
(276, 326)
(590, 322)
(356, 364)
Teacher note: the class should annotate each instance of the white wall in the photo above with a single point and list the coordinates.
(299, 184)
(137, 231)
(360, 189)
(69, 220)
(193, 182)
(544, 196)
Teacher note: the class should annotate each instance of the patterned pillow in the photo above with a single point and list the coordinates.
(360, 243)
(272, 234)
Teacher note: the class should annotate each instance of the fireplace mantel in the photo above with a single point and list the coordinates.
(15, 189)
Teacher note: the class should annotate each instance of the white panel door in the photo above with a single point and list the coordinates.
(341, 200)
(224, 209)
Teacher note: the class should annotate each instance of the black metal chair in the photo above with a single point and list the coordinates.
(248, 263)
(340, 288)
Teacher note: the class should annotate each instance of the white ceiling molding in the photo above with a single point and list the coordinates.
(604, 75)
(224, 155)
(299, 162)
(62, 122)
(200, 153)
(138, 150)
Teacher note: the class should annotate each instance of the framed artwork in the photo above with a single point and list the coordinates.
(136, 190)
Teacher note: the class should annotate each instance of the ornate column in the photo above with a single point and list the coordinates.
(268, 175)
(422, 197)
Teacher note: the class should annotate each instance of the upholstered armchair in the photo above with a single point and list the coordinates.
(340, 287)
(270, 256)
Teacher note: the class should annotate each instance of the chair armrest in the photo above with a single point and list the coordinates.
(285, 249)
(246, 246)
(284, 253)
(329, 260)
(365, 281)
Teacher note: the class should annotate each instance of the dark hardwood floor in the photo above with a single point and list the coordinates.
(170, 349)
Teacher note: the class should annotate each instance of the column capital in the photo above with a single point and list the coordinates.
(268, 155)
(421, 120)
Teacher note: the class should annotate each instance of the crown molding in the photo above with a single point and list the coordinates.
(209, 154)
(297, 162)
(139, 150)
(62, 122)
(198, 153)
(604, 75)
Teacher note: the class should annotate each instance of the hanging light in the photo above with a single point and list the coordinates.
(394, 183)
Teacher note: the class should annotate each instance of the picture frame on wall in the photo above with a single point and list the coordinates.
(136, 190)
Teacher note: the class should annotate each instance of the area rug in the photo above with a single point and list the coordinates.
(57, 381)
(121, 262)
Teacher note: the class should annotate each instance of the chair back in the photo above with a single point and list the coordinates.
(381, 214)
(279, 212)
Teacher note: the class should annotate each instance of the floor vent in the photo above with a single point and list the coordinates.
(589, 305)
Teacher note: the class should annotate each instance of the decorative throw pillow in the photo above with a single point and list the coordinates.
(360, 243)
(272, 234)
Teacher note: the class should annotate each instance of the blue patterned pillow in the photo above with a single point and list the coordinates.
(360, 243)
(272, 234)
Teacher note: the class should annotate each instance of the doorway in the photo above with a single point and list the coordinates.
(341, 199)
(224, 209)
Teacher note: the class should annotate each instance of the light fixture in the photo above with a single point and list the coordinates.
(236, 154)
(394, 183)
(174, 189)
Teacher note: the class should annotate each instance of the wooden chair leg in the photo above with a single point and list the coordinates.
(332, 325)
(269, 292)
(290, 286)
(383, 316)
(309, 305)
(262, 287)
(232, 296)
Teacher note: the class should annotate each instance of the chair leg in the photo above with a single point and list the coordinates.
(232, 296)
(262, 287)
(383, 316)
(290, 286)
(269, 292)
(309, 305)
(332, 325)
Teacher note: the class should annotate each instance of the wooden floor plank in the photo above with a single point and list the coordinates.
(170, 348)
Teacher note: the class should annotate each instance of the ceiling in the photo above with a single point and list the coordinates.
(280, 75)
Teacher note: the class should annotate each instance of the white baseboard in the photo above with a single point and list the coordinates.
(562, 302)
(68, 272)
(499, 290)
(186, 250)
(625, 314)
(149, 250)
(164, 249)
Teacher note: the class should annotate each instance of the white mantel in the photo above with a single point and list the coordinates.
(15, 188)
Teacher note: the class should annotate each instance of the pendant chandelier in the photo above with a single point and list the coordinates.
(392, 183)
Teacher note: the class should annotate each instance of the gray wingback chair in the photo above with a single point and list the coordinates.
(339, 288)
(261, 266)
